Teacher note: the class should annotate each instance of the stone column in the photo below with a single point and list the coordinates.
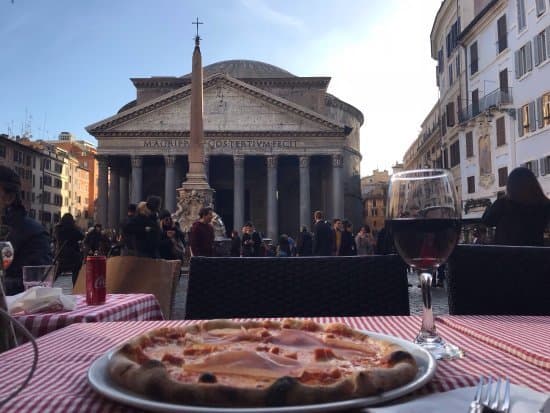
(114, 195)
(169, 183)
(238, 192)
(137, 179)
(207, 167)
(337, 186)
(102, 180)
(272, 225)
(305, 202)
(124, 194)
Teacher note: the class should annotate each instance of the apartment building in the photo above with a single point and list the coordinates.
(26, 162)
(494, 106)
(374, 193)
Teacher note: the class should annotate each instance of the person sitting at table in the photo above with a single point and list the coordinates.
(30, 240)
(201, 235)
(522, 215)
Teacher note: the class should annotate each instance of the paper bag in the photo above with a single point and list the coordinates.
(128, 274)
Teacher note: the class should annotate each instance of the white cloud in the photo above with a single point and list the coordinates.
(261, 8)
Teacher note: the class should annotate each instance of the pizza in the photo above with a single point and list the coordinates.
(222, 363)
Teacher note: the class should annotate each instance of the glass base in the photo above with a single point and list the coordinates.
(439, 348)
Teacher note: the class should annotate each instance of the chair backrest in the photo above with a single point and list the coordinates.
(491, 279)
(129, 274)
(296, 286)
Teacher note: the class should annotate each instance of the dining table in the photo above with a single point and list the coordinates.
(117, 307)
(517, 347)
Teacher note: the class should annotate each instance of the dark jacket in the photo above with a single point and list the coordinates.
(384, 242)
(236, 246)
(201, 238)
(171, 248)
(252, 245)
(67, 240)
(517, 224)
(143, 232)
(323, 239)
(305, 244)
(347, 247)
(31, 245)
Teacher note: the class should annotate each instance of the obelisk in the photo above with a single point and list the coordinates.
(195, 192)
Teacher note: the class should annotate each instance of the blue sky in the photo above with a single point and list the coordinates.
(67, 63)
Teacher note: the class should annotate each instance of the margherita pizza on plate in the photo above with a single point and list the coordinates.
(221, 363)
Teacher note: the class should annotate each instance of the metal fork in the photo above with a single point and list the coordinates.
(491, 403)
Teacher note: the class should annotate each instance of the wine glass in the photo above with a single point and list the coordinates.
(423, 217)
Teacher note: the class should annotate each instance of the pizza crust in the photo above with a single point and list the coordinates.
(152, 379)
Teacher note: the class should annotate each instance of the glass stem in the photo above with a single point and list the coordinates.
(428, 325)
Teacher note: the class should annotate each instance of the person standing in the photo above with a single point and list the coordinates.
(337, 230)
(523, 214)
(305, 243)
(363, 241)
(235, 244)
(67, 246)
(322, 240)
(30, 240)
(202, 234)
(347, 246)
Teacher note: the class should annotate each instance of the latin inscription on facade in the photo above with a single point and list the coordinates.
(263, 145)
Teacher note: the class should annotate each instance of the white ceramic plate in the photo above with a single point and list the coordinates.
(101, 382)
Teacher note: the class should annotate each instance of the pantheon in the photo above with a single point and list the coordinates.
(259, 119)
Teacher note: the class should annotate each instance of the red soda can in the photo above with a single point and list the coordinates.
(96, 268)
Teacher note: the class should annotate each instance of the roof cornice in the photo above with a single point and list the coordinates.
(220, 134)
(185, 91)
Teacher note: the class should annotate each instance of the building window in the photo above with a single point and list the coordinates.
(541, 43)
(541, 6)
(2, 151)
(473, 58)
(544, 110)
(471, 184)
(450, 114)
(58, 168)
(47, 180)
(521, 15)
(450, 74)
(502, 34)
(532, 166)
(457, 65)
(440, 60)
(524, 60)
(502, 176)
(526, 119)
(455, 154)
(501, 132)
(469, 144)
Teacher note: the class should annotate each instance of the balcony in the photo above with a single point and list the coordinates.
(494, 99)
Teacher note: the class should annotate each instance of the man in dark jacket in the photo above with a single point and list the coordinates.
(202, 234)
(322, 235)
(30, 240)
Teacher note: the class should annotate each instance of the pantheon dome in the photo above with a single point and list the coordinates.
(245, 69)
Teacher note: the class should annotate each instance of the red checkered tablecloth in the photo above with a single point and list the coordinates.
(60, 382)
(526, 337)
(117, 307)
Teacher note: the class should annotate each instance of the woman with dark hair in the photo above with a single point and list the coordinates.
(522, 215)
(67, 246)
(347, 245)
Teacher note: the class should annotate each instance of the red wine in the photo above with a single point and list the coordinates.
(424, 243)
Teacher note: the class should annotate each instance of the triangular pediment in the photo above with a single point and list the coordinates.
(229, 105)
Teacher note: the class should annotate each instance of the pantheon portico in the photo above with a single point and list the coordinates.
(277, 147)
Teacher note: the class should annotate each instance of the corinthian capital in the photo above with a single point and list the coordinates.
(271, 161)
(304, 161)
(238, 161)
(169, 160)
(337, 160)
(137, 161)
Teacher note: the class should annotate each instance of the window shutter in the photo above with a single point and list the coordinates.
(528, 57)
(539, 113)
(532, 117)
(541, 6)
(516, 59)
(542, 163)
(501, 131)
(537, 54)
(519, 120)
(535, 167)
(547, 36)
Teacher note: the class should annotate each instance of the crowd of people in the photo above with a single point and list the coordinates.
(520, 217)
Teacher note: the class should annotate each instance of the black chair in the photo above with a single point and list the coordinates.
(491, 279)
(296, 286)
